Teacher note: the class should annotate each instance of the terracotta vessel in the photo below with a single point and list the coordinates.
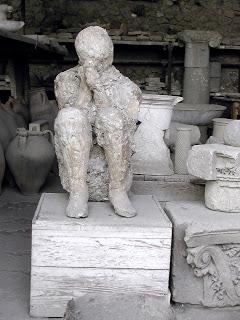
(2, 166)
(41, 108)
(9, 121)
(30, 157)
(5, 134)
(18, 108)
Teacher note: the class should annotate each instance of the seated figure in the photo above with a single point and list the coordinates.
(97, 105)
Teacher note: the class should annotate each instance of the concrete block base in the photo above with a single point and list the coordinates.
(190, 312)
(205, 255)
(119, 307)
(103, 253)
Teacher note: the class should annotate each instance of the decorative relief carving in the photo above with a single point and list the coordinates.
(227, 167)
(219, 266)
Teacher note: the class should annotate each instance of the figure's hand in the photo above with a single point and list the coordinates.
(85, 94)
(92, 77)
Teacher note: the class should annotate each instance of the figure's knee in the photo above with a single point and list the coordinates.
(70, 119)
(110, 119)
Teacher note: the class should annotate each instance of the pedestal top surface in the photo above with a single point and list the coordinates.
(52, 206)
(204, 225)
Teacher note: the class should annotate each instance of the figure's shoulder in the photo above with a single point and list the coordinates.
(70, 74)
(66, 86)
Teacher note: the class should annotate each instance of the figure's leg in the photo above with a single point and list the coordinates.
(114, 135)
(73, 142)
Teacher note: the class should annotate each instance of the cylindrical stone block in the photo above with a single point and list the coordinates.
(183, 145)
(219, 125)
(196, 85)
(223, 195)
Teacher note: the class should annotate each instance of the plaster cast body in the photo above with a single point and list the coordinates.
(98, 105)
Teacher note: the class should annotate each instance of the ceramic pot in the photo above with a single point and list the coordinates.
(18, 107)
(5, 134)
(9, 120)
(40, 107)
(30, 157)
(2, 166)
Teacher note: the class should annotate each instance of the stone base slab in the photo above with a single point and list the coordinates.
(189, 312)
(119, 307)
(103, 253)
(205, 255)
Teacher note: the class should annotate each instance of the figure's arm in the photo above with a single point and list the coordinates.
(93, 81)
(134, 101)
(84, 96)
(71, 89)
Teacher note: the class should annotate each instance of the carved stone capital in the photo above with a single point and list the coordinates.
(214, 162)
(219, 267)
(212, 38)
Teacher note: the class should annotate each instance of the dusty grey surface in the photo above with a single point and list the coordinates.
(16, 213)
(119, 307)
(188, 312)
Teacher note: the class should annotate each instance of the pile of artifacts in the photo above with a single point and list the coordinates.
(26, 141)
(109, 138)
(106, 265)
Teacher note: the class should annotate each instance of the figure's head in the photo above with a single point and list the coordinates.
(94, 47)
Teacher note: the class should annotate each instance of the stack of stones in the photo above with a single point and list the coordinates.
(154, 85)
(219, 165)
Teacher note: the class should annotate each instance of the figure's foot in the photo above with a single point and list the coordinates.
(78, 205)
(121, 203)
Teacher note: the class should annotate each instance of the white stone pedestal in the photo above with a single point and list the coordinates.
(152, 156)
(102, 253)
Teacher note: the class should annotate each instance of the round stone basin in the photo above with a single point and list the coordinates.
(197, 114)
(157, 109)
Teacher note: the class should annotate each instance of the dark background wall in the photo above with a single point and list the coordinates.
(168, 16)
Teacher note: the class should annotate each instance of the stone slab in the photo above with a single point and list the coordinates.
(119, 307)
(205, 255)
(189, 312)
(169, 190)
(102, 253)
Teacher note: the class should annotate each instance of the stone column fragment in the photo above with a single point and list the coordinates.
(196, 75)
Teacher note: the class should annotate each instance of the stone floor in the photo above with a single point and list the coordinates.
(16, 213)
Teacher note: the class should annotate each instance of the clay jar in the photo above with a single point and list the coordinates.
(8, 127)
(30, 157)
(41, 108)
(9, 120)
(5, 134)
(2, 166)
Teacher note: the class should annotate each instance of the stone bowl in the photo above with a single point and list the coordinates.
(157, 109)
(197, 114)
